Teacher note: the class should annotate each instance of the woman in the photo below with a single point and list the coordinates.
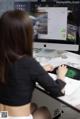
(18, 69)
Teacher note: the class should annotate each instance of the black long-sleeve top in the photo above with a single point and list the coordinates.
(22, 76)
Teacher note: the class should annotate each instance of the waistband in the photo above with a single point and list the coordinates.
(20, 117)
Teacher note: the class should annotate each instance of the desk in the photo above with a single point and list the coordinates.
(57, 58)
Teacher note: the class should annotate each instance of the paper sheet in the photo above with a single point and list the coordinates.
(73, 99)
(71, 84)
(57, 61)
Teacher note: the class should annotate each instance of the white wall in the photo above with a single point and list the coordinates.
(6, 5)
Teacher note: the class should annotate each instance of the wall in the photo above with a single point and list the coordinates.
(6, 5)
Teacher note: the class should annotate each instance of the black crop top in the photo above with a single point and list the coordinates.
(23, 75)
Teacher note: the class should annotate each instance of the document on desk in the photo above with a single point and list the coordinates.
(71, 84)
(57, 61)
(73, 99)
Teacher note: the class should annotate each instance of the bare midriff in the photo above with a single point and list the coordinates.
(23, 110)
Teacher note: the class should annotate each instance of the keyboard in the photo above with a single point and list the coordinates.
(71, 73)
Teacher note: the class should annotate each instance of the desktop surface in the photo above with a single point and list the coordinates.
(72, 60)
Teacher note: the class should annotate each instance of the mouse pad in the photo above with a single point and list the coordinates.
(71, 73)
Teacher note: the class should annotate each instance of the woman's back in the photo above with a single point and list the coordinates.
(13, 92)
(15, 30)
(23, 110)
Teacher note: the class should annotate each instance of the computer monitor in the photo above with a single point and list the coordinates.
(57, 28)
(55, 25)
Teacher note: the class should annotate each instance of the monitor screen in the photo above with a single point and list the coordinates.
(55, 24)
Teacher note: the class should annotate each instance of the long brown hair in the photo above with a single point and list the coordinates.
(15, 38)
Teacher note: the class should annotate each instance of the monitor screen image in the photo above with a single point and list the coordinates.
(49, 23)
(52, 24)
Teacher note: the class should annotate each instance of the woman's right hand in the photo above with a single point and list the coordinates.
(61, 72)
(48, 67)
